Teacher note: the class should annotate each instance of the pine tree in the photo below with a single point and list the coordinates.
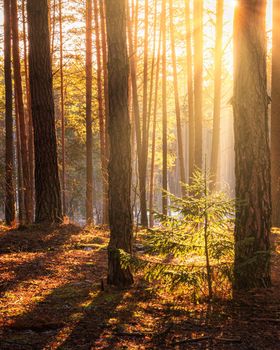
(252, 158)
(47, 186)
(120, 215)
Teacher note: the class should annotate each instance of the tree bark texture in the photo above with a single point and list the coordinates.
(252, 158)
(120, 215)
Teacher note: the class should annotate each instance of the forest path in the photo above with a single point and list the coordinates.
(52, 298)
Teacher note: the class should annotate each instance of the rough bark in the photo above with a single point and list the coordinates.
(9, 157)
(252, 159)
(275, 116)
(47, 186)
(120, 215)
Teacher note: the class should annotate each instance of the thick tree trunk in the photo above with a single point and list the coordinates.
(47, 186)
(89, 138)
(177, 103)
(9, 156)
(275, 116)
(198, 79)
(119, 134)
(217, 90)
(21, 115)
(190, 89)
(252, 160)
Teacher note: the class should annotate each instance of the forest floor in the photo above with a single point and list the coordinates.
(52, 298)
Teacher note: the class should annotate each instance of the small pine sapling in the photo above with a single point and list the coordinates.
(194, 245)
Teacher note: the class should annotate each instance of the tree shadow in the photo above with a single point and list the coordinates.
(48, 244)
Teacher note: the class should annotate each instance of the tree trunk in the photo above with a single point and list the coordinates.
(30, 140)
(198, 79)
(190, 89)
(275, 116)
(47, 186)
(120, 215)
(151, 198)
(217, 90)
(21, 115)
(136, 111)
(62, 114)
(89, 138)
(106, 103)
(144, 148)
(9, 156)
(164, 112)
(252, 160)
(100, 110)
(177, 102)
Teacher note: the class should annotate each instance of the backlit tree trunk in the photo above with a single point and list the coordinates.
(252, 159)
(164, 111)
(191, 142)
(106, 107)
(198, 79)
(101, 115)
(89, 139)
(21, 115)
(217, 90)
(47, 186)
(275, 116)
(9, 156)
(119, 134)
(30, 140)
(62, 114)
(177, 102)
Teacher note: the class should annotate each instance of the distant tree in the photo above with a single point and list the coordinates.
(164, 112)
(177, 101)
(101, 114)
(106, 107)
(27, 197)
(9, 158)
(28, 110)
(252, 158)
(47, 186)
(62, 113)
(217, 89)
(275, 115)
(198, 79)
(120, 215)
(136, 113)
(191, 142)
(89, 140)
